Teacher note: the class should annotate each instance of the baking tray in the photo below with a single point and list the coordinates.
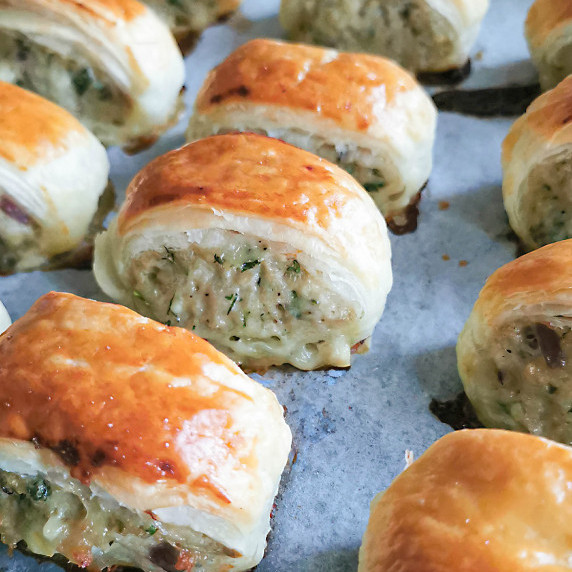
(351, 428)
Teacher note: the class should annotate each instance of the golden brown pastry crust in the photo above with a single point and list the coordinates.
(476, 501)
(349, 89)
(122, 368)
(46, 125)
(232, 172)
(544, 17)
(529, 280)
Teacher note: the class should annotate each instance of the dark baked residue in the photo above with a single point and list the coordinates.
(407, 221)
(457, 412)
(490, 102)
(449, 77)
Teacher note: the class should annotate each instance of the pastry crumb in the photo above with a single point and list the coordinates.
(446, 257)
(463, 263)
(444, 205)
(479, 56)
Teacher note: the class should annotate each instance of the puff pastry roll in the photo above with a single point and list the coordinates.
(5, 320)
(362, 112)
(126, 442)
(422, 35)
(537, 164)
(548, 30)
(111, 63)
(476, 500)
(54, 193)
(271, 253)
(188, 18)
(515, 352)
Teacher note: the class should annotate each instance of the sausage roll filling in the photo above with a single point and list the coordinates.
(549, 200)
(73, 83)
(246, 295)
(412, 33)
(51, 518)
(530, 390)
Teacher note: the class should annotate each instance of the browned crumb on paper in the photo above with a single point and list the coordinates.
(446, 257)
(463, 263)
(444, 205)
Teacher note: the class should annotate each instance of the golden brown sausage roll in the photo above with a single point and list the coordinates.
(515, 352)
(549, 34)
(188, 18)
(477, 500)
(126, 442)
(269, 252)
(537, 164)
(364, 113)
(422, 35)
(111, 63)
(54, 178)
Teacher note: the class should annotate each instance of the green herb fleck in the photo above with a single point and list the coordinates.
(168, 323)
(249, 265)
(504, 407)
(233, 299)
(234, 338)
(39, 490)
(151, 530)
(552, 389)
(22, 49)
(219, 259)
(176, 3)
(170, 255)
(229, 297)
(82, 81)
(294, 267)
(374, 187)
(137, 294)
(170, 310)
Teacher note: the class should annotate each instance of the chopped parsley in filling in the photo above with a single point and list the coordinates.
(72, 84)
(246, 299)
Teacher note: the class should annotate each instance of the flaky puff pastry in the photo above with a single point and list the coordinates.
(537, 165)
(112, 63)
(5, 320)
(54, 180)
(269, 252)
(362, 112)
(515, 351)
(475, 501)
(548, 30)
(132, 443)
(425, 36)
(188, 18)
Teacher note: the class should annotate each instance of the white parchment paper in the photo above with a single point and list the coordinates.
(351, 429)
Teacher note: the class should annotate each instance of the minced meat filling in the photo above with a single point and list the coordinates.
(72, 84)
(533, 386)
(240, 296)
(88, 529)
(548, 203)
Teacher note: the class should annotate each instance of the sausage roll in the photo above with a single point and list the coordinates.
(271, 253)
(126, 442)
(548, 31)
(422, 35)
(5, 320)
(111, 63)
(53, 195)
(361, 112)
(537, 163)
(477, 500)
(515, 352)
(188, 18)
